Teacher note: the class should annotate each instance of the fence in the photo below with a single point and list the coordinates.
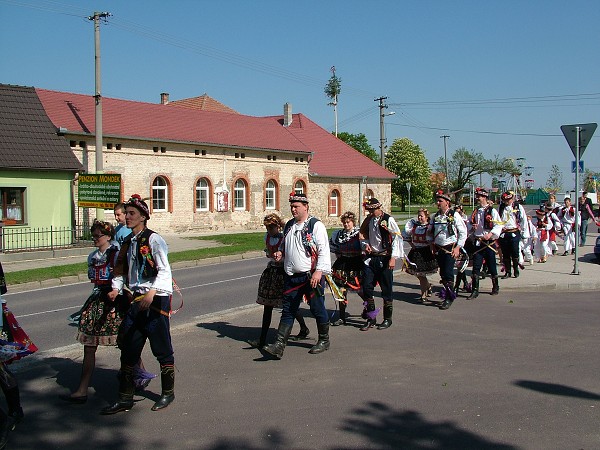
(19, 239)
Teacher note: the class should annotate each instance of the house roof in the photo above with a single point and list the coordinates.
(28, 140)
(204, 103)
(149, 121)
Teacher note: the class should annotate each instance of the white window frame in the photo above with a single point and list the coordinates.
(334, 203)
(160, 194)
(271, 195)
(202, 195)
(239, 195)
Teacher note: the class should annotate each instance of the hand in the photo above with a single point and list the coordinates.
(392, 263)
(112, 295)
(455, 252)
(315, 279)
(146, 301)
(368, 249)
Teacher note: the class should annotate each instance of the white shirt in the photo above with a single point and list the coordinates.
(439, 230)
(375, 241)
(478, 230)
(295, 258)
(509, 219)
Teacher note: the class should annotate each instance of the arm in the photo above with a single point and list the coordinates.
(323, 254)
(397, 248)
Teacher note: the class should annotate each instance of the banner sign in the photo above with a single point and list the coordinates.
(99, 190)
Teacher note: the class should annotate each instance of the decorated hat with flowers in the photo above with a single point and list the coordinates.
(441, 194)
(294, 197)
(481, 192)
(372, 204)
(139, 204)
(508, 195)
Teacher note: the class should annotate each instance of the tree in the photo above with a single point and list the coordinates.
(555, 180)
(590, 179)
(359, 142)
(409, 163)
(465, 165)
(332, 90)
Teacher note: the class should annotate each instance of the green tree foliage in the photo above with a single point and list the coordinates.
(333, 88)
(408, 162)
(590, 180)
(464, 166)
(359, 142)
(555, 180)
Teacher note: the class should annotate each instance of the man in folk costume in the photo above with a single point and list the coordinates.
(485, 228)
(306, 259)
(514, 229)
(567, 218)
(143, 267)
(381, 241)
(447, 234)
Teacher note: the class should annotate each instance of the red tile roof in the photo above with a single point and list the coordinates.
(204, 103)
(149, 121)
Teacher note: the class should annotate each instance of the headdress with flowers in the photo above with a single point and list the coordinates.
(137, 202)
(294, 197)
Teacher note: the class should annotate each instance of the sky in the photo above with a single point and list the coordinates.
(498, 77)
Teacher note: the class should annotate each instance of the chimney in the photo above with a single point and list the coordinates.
(287, 115)
(164, 98)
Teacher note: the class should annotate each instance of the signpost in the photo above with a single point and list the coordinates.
(408, 186)
(578, 136)
(101, 190)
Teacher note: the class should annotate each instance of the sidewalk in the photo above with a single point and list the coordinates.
(556, 274)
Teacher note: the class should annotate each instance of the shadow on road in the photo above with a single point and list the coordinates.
(556, 389)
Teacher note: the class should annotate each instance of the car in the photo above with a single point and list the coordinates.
(597, 249)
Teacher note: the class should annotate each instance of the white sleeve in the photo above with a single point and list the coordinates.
(322, 243)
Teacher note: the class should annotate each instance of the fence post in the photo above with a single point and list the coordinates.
(51, 238)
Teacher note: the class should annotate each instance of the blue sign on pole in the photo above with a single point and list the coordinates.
(580, 166)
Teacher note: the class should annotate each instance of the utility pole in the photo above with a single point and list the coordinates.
(382, 107)
(98, 97)
(445, 136)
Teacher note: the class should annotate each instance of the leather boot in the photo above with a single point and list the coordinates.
(283, 333)
(388, 309)
(302, 334)
(475, 287)
(495, 286)
(323, 342)
(126, 390)
(167, 381)
(370, 313)
(449, 298)
(506, 262)
(515, 262)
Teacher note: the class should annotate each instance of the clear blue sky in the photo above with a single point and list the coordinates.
(499, 77)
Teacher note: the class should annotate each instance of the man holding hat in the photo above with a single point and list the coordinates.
(381, 241)
(514, 228)
(485, 229)
(143, 268)
(306, 258)
(447, 234)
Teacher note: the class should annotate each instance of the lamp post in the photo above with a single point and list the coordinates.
(408, 186)
(444, 137)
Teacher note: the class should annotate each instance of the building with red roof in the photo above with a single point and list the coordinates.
(206, 167)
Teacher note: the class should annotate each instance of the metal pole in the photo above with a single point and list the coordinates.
(445, 136)
(576, 199)
(381, 129)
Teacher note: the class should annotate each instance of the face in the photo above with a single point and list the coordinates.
(377, 212)
(100, 240)
(120, 216)
(272, 229)
(567, 202)
(422, 217)
(482, 200)
(299, 210)
(348, 224)
(134, 218)
(443, 204)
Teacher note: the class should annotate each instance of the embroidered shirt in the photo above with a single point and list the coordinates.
(482, 224)
(295, 258)
(416, 232)
(445, 229)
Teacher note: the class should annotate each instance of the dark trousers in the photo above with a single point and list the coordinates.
(490, 260)
(295, 287)
(446, 263)
(509, 244)
(378, 271)
(137, 326)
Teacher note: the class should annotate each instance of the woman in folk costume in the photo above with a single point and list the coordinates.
(567, 218)
(552, 208)
(420, 261)
(542, 246)
(529, 243)
(348, 268)
(270, 286)
(14, 345)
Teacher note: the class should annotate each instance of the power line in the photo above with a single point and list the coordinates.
(475, 131)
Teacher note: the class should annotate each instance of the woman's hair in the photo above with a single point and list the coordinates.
(103, 227)
(273, 219)
(348, 215)
(425, 211)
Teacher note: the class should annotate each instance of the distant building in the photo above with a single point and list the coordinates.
(205, 167)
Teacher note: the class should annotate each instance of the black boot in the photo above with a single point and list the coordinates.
(515, 262)
(449, 297)
(167, 381)
(342, 319)
(283, 333)
(506, 262)
(388, 309)
(323, 342)
(302, 334)
(475, 287)
(495, 286)
(126, 389)
(369, 313)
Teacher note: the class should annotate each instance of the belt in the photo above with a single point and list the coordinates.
(512, 230)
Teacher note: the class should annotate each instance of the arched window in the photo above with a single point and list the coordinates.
(239, 195)
(334, 203)
(160, 194)
(271, 195)
(202, 195)
(299, 187)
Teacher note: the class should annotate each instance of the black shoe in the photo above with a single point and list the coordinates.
(474, 295)
(121, 405)
(367, 326)
(73, 400)
(446, 304)
(565, 254)
(302, 334)
(573, 252)
(256, 343)
(505, 276)
(385, 324)
(163, 402)
(338, 322)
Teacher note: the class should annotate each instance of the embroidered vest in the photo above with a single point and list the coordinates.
(488, 222)
(148, 269)
(386, 236)
(307, 238)
(449, 222)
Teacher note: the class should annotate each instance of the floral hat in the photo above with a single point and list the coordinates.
(441, 194)
(481, 192)
(372, 204)
(298, 198)
(139, 204)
